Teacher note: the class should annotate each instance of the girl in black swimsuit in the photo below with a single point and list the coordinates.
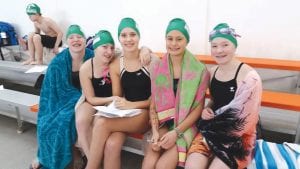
(96, 86)
(131, 82)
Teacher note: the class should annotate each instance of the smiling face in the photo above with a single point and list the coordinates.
(129, 40)
(222, 50)
(175, 43)
(76, 43)
(105, 52)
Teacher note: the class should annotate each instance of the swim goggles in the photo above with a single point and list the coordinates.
(225, 31)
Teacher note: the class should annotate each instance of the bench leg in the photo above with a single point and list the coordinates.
(297, 137)
(298, 84)
(19, 121)
(2, 57)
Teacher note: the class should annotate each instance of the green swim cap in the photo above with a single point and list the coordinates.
(33, 9)
(74, 29)
(128, 23)
(224, 31)
(179, 25)
(101, 38)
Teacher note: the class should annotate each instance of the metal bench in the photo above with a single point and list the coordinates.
(17, 104)
(14, 72)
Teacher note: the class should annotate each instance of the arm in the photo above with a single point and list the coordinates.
(248, 100)
(195, 114)
(114, 70)
(36, 29)
(145, 55)
(190, 119)
(122, 103)
(207, 112)
(153, 117)
(87, 87)
(169, 139)
(59, 33)
(155, 126)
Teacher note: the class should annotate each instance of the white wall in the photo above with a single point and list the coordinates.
(269, 28)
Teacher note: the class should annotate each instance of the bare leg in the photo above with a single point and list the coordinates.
(76, 159)
(37, 41)
(23, 43)
(168, 159)
(31, 50)
(35, 164)
(103, 128)
(196, 161)
(113, 148)
(99, 137)
(151, 157)
(217, 163)
(84, 119)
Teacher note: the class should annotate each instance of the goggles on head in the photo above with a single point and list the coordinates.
(225, 31)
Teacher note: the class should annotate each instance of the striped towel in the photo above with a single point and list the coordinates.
(276, 156)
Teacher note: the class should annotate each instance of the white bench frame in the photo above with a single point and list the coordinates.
(20, 102)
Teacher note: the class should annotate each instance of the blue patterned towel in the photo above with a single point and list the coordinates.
(276, 156)
(56, 132)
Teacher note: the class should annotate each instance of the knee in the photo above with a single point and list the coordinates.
(148, 162)
(190, 165)
(113, 147)
(194, 162)
(160, 165)
(30, 37)
(100, 124)
(36, 38)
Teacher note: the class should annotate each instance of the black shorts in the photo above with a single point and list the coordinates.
(48, 41)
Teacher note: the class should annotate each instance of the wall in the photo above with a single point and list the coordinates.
(269, 28)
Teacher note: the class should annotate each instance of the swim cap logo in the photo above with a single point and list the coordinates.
(97, 39)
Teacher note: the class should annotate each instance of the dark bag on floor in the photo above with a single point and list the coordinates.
(8, 36)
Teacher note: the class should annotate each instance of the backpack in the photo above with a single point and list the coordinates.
(8, 36)
(89, 42)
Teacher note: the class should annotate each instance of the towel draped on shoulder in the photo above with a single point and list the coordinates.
(231, 134)
(56, 132)
(190, 94)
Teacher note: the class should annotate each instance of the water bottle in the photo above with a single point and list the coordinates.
(4, 38)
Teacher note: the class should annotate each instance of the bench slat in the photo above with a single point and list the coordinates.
(293, 65)
(281, 64)
(281, 100)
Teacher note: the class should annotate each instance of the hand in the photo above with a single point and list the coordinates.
(154, 141)
(122, 103)
(207, 114)
(55, 50)
(145, 56)
(113, 98)
(168, 140)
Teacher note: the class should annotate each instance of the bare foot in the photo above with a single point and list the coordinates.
(27, 62)
(36, 63)
(35, 164)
